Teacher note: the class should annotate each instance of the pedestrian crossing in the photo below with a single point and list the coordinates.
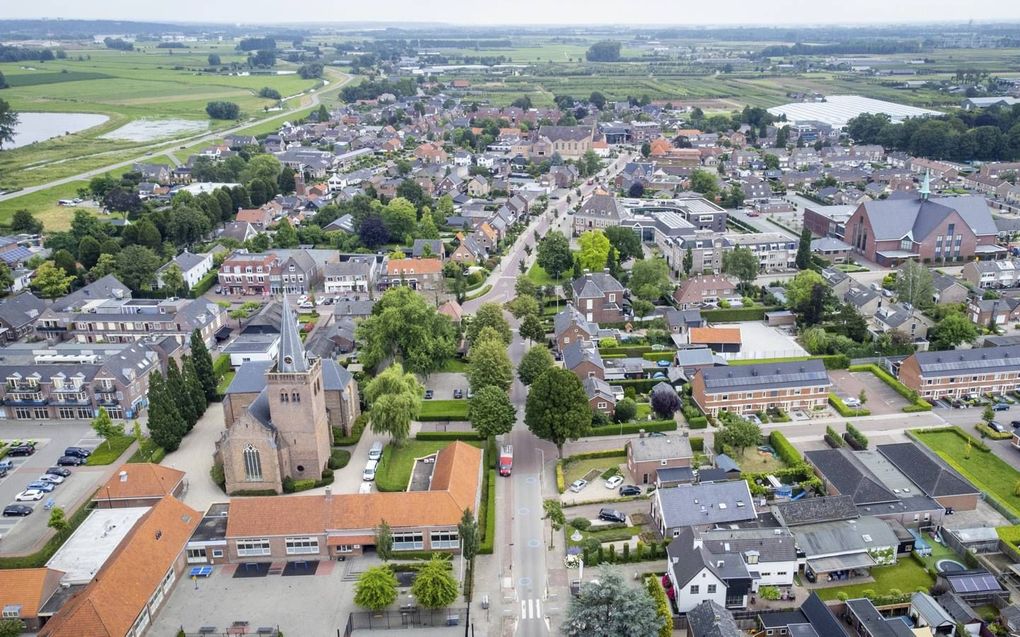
(531, 609)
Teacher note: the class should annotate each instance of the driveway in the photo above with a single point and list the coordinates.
(591, 511)
(882, 399)
(195, 458)
(443, 384)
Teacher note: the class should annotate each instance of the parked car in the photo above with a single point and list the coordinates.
(79, 452)
(753, 418)
(6, 465)
(30, 495)
(852, 402)
(996, 427)
(614, 482)
(70, 461)
(41, 485)
(428, 394)
(58, 471)
(458, 393)
(578, 485)
(17, 510)
(630, 489)
(49, 477)
(1000, 407)
(612, 515)
(219, 289)
(1014, 423)
(21, 450)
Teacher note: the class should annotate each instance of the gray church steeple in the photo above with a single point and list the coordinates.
(292, 351)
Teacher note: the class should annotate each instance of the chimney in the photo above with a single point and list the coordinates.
(123, 476)
(329, 494)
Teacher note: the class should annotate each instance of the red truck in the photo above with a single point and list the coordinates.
(506, 460)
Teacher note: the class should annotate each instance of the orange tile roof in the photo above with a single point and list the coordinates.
(455, 484)
(140, 480)
(252, 215)
(109, 605)
(715, 335)
(394, 267)
(25, 587)
(488, 231)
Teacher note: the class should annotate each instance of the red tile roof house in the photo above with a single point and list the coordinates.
(258, 217)
(719, 339)
(24, 592)
(139, 485)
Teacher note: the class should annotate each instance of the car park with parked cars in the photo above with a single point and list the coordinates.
(58, 471)
(17, 510)
(29, 495)
(70, 461)
(614, 482)
(41, 485)
(79, 452)
(21, 450)
(578, 485)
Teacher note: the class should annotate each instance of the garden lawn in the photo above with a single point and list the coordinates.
(607, 535)
(986, 470)
(443, 410)
(539, 276)
(221, 387)
(643, 409)
(577, 470)
(454, 366)
(109, 450)
(755, 461)
(907, 576)
(394, 470)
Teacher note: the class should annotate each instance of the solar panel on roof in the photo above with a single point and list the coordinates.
(975, 583)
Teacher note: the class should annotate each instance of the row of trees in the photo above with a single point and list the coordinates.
(986, 135)
(178, 400)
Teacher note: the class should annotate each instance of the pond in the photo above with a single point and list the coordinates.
(145, 130)
(37, 127)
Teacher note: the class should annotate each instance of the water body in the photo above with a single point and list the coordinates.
(146, 130)
(38, 127)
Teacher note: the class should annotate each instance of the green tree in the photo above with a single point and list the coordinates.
(606, 607)
(286, 235)
(105, 428)
(804, 250)
(435, 586)
(662, 606)
(467, 531)
(88, 251)
(50, 281)
(213, 59)
(798, 290)
(734, 197)
(488, 315)
(523, 305)
(376, 588)
(203, 365)
(554, 254)
(739, 434)
(646, 149)
(688, 261)
(526, 287)
(11, 627)
(704, 182)
(173, 280)
(179, 390)
(166, 425)
(553, 511)
(626, 241)
(534, 362)
(6, 279)
(400, 218)
(394, 397)
(914, 285)
(594, 250)
(136, 267)
(626, 410)
(404, 325)
(988, 414)
(8, 120)
(427, 227)
(642, 308)
(531, 328)
(741, 263)
(489, 364)
(557, 409)
(955, 329)
(384, 541)
(649, 279)
(854, 326)
(491, 413)
(193, 386)
(58, 520)
(106, 265)
(25, 222)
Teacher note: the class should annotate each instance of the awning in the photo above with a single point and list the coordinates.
(361, 540)
(841, 563)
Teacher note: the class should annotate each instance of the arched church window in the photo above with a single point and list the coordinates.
(284, 397)
(252, 464)
(295, 397)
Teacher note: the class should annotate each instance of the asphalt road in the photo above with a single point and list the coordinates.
(167, 147)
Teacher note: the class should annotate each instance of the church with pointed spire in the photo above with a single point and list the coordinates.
(280, 415)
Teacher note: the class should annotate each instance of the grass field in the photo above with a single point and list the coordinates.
(907, 576)
(43, 204)
(988, 473)
(108, 451)
(394, 469)
(538, 276)
(444, 409)
(755, 461)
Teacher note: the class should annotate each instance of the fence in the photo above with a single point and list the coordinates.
(235, 631)
(406, 618)
(764, 354)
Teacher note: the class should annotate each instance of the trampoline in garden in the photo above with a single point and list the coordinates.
(949, 566)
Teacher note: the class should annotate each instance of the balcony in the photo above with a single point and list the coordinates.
(34, 398)
(70, 398)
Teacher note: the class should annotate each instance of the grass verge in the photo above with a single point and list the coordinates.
(394, 470)
(109, 450)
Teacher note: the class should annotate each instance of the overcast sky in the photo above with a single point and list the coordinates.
(658, 12)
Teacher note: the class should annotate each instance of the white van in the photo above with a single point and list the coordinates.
(369, 473)
(375, 451)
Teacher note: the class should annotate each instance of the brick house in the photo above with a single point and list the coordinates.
(600, 297)
(247, 273)
(570, 326)
(963, 371)
(646, 455)
(704, 288)
(419, 274)
(599, 212)
(139, 485)
(600, 395)
(25, 591)
(584, 361)
(748, 389)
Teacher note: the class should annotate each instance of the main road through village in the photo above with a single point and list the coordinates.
(522, 555)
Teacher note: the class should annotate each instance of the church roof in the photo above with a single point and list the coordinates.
(292, 351)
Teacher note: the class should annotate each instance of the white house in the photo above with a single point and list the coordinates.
(727, 565)
(193, 267)
(357, 273)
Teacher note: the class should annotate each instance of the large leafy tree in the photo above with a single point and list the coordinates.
(203, 365)
(50, 281)
(914, 285)
(594, 252)
(376, 588)
(626, 242)
(557, 409)
(649, 279)
(739, 434)
(951, 331)
(531, 328)
(25, 221)
(491, 413)
(523, 305)
(804, 250)
(554, 255)
(665, 403)
(489, 364)
(488, 315)
(173, 280)
(286, 236)
(534, 363)
(606, 607)
(404, 326)
(741, 263)
(798, 290)
(435, 586)
(400, 218)
(136, 267)
(704, 182)
(394, 397)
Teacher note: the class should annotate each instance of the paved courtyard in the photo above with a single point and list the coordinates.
(195, 457)
(882, 399)
(761, 341)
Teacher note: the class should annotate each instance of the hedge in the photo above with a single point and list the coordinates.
(855, 437)
(635, 351)
(841, 408)
(204, 284)
(448, 435)
(357, 429)
(221, 365)
(918, 403)
(785, 449)
(699, 422)
(833, 438)
(963, 435)
(561, 481)
(641, 385)
(487, 509)
(594, 455)
(697, 444)
(988, 432)
(633, 428)
(736, 314)
(480, 293)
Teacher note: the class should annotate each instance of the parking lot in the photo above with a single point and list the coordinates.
(591, 511)
(882, 399)
(443, 385)
(26, 534)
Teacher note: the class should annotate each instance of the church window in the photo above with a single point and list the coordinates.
(284, 397)
(295, 397)
(252, 464)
